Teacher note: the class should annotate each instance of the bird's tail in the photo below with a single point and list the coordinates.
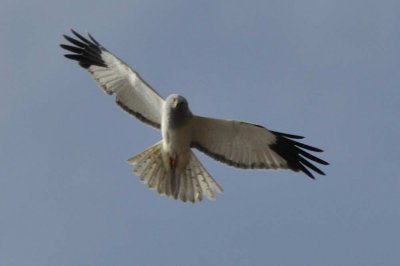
(188, 185)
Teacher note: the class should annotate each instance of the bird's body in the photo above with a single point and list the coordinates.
(170, 167)
(176, 127)
(176, 137)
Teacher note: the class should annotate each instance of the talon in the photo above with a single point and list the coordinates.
(173, 161)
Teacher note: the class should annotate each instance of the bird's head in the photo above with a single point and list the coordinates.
(177, 103)
(178, 108)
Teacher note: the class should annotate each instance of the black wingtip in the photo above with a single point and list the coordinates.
(74, 32)
(290, 136)
(86, 52)
(306, 171)
(94, 40)
(296, 155)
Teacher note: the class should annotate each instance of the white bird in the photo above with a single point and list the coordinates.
(169, 166)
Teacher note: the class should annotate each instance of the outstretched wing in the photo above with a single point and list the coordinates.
(246, 145)
(133, 94)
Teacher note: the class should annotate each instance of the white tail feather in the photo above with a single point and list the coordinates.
(190, 185)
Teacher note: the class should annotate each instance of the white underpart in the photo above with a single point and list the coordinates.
(194, 180)
(175, 142)
(171, 168)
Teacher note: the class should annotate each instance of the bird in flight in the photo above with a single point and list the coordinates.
(170, 167)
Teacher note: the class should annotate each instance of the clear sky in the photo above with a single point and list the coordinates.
(325, 69)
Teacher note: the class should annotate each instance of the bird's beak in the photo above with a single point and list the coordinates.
(175, 102)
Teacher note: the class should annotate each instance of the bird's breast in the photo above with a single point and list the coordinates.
(176, 148)
(176, 140)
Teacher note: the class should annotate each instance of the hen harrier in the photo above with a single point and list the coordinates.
(169, 166)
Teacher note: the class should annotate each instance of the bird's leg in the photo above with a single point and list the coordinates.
(173, 161)
(175, 182)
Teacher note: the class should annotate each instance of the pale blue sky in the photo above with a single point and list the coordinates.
(328, 70)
